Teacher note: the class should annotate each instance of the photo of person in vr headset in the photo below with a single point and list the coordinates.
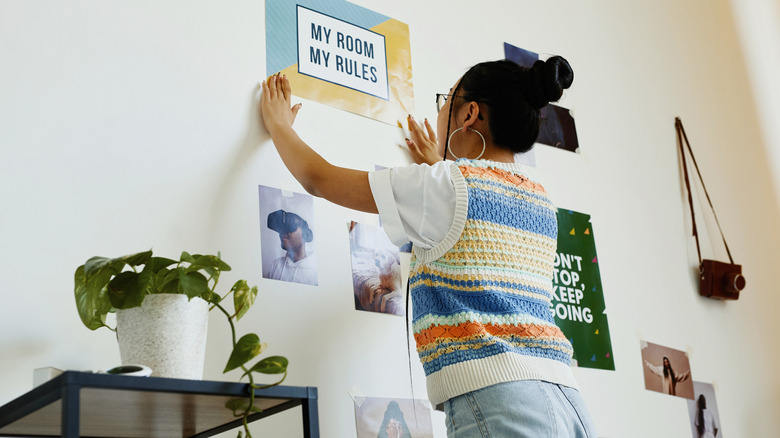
(298, 265)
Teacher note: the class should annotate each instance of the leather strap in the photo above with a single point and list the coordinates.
(680, 137)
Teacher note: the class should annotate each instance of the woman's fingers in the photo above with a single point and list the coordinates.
(275, 89)
(412, 147)
(415, 131)
(278, 86)
(431, 132)
(422, 144)
(295, 110)
(275, 107)
(414, 150)
(285, 86)
(412, 125)
(264, 87)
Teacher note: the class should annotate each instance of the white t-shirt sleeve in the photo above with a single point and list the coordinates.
(420, 203)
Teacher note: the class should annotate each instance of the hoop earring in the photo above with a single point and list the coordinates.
(480, 136)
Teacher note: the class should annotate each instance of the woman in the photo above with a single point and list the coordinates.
(394, 425)
(669, 379)
(705, 421)
(484, 237)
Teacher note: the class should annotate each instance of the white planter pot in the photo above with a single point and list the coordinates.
(167, 334)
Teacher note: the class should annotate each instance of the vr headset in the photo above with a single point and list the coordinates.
(284, 222)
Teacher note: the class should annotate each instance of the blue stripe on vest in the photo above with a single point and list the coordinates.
(511, 212)
(482, 283)
(515, 191)
(445, 302)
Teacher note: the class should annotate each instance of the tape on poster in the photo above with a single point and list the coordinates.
(357, 396)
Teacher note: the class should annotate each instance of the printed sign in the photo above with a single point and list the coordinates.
(578, 300)
(343, 55)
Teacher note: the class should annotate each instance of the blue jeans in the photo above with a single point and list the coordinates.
(526, 408)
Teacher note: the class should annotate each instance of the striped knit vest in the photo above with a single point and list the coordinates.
(482, 309)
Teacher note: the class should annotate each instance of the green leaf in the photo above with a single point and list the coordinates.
(240, 285)
(98, 271)
(156, 277)
(211, 297)
(96, 265)
(271, 365)
(193, 284)
(155, 264)
(243, 298)
(167, 281)
(246, 349)
(128, 289)
(240, 405)
(207, 261)
(92, 306)
(137, 259)
(186, 257)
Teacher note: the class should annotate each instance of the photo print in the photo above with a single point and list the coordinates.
(557, 128)
(392, 418)
(287, 236)
(703, 412)
(376, 270)
(667, 370)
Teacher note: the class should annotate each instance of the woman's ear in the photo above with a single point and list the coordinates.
(472, 114)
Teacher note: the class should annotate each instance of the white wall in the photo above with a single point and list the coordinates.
(758, 23)
(133, 125)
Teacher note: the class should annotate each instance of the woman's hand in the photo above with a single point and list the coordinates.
(346, 187)
(422, 145)
(275, 103)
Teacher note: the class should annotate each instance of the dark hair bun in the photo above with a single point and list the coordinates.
(545, 81)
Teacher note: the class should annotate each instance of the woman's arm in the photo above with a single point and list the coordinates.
(683, 376)
(655, 369)
(346, 187)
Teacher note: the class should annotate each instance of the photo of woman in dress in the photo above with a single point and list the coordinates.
(668, 376)
(667, 370)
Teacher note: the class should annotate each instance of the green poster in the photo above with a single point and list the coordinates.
(578, 299)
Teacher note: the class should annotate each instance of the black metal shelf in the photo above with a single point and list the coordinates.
(78, 404)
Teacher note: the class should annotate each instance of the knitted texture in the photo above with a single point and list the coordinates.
(486, 302)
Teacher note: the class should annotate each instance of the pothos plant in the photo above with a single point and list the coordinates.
(104, 285)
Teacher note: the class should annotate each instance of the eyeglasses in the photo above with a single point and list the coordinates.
(441, 99)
